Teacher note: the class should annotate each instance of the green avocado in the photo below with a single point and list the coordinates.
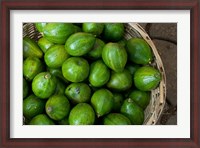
(31, 67)
(116, 119)
(78, 93)
(102, 102)
(120, 81)
(114, 56)
(44, 44)
(79, 43)
(93, 28)
(30, 48)
(99, 74)
(44, 85)
(131, 110)
(147, 78)
(82, 114)
(58, 33)
(113, 32)
(139, 51)
(57, 107)
(33, 106)
(41, 119)
(55, 56)
(75, 69)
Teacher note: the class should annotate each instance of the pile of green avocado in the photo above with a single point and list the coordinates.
(86, 74)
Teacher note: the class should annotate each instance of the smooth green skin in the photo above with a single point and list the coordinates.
(93, 28)
(55, 56)
(147, 78)
(131, 110)
(30, 48)
(41, 119)
(132, 68)
(44, 44)
(102, 102)
(40, 26)
(78, 93)
(120, 81)
(75, 69)
(64, 121)
(60, 87)
(57, 72)
(113, 32)
(116, 119)
(58, 32)
(139, 51)
(44, 85)
(114, 56)
(25, 88)
(31, 67)
(79, 43)
(57, 107)
(82, 114)
(99, 74)
(141, 98)
(96, 52)
(118, 101)
(33, 106)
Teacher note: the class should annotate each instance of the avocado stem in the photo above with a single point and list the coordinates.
(47, 76)
(49, 109)
(130, 100)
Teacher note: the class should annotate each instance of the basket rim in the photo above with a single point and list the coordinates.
(162, 86)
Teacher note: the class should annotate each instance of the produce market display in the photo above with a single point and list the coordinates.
(90, 74)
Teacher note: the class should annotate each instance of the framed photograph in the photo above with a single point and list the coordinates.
(18, 21)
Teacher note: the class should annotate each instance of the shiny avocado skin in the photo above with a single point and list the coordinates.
(31, 49)
(58, 33)
(80, 43)
(114, 56)
(99, 74)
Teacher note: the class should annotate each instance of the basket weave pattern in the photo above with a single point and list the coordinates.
(158, 95)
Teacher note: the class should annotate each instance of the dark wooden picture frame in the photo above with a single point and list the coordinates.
(192, 5)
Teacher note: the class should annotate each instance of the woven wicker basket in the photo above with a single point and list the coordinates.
(158, 95)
